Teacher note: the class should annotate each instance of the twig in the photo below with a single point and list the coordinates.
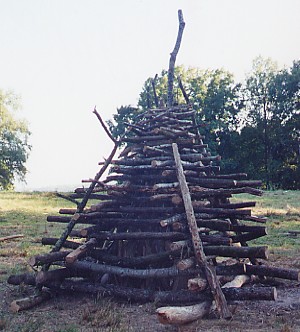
(153, 81)
(67, 198)
(186, 97)
(104, 126)
(10, 237)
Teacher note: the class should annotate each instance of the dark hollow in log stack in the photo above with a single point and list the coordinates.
(129, 235)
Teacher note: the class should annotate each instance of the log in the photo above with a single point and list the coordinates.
(228, 251)
(56, 275)
(237, 282)
(197, 284)
(183, 315)
(275, 272)
(197, 244)
(80, 251)
(24, 278)
(213, 239)
(238, 252)
(185, 264)
(48, 258)
(183, 297)
(67, 244)
(89, 267)
(29, 302)
(242, 238)
(162, 298)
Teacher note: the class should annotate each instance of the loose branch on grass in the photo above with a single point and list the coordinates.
(29, 302)
(11, 237)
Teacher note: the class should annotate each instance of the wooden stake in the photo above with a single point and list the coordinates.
(197, 243)
(173, 58)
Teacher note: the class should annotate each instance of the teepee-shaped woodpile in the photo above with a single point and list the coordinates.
(161, 226)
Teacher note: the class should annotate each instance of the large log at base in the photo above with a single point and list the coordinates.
(183, 315)
(162, 298)
(184, 297)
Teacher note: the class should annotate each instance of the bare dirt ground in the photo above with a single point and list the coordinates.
(77, 312)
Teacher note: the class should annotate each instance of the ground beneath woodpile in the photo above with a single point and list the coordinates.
(84, 313)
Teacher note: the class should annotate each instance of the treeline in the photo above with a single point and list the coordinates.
(254, 125)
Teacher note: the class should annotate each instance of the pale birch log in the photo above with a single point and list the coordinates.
(183, 315)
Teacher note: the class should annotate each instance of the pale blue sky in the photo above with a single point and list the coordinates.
(65, 56)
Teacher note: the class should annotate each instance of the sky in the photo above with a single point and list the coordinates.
(64, 57)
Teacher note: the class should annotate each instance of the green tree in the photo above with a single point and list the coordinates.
(14, 146)
(267, 144)
(125, 116)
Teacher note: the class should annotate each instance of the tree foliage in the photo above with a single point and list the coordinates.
(253, 125)
(14, 146)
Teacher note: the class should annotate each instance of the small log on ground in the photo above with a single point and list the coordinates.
(29, 302)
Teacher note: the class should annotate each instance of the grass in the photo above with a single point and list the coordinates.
(26, 213)
(282, 209)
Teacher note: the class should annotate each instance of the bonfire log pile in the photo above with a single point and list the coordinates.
(161, 227)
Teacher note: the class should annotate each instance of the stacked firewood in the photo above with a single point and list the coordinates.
(161, 227)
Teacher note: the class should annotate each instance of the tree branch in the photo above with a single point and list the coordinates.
(173, 59)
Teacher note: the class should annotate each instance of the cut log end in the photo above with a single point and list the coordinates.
(183, 315)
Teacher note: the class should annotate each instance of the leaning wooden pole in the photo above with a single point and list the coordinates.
(173, 59)
(82, 204)
(197, 243)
